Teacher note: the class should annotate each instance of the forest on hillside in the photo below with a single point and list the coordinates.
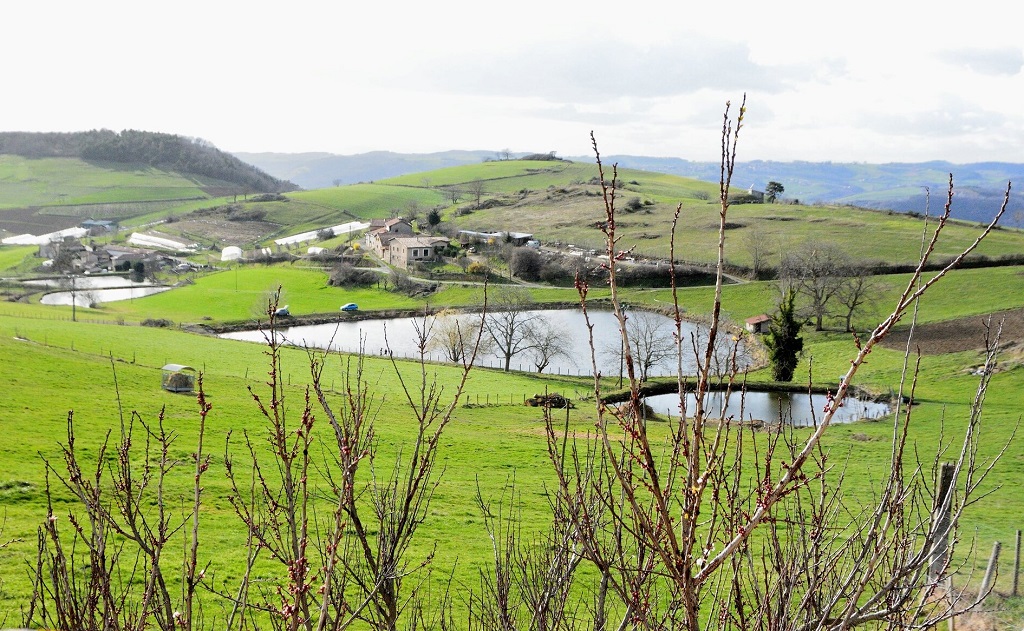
(170, 152)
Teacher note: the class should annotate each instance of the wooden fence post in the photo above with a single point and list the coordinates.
(990, 571)
(939, 555)
(1016, 563)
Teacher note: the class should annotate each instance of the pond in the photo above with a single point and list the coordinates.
(796, 408)
(90, 297)
(574, 357)
(91, 290)
(400, 335)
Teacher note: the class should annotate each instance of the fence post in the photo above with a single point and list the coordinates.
(990, 571)
(938, 557)
(1016, 563)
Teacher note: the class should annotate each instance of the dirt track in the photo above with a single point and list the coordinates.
(963, 334)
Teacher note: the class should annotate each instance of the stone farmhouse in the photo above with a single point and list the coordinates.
(381, 232)
(394, 242)
(405, 251)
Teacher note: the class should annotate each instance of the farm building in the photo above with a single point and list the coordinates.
(403, 251)
(759, 323)
(231, 253)
(502, 236)
(178, 378)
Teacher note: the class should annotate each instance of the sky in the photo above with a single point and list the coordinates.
(871, 81)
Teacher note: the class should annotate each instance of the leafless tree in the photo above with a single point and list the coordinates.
(476, 188)
(454, 336)
(715, 524)
(651, 338)
(755, 240)
(452, 192)
(858, 291)
(547, 342)
(817, 272)
(510, 323)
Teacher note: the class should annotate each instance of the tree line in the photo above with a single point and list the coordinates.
(166, 151)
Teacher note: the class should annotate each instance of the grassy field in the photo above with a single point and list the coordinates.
(72, 366)
(69, 181)
(53, 366)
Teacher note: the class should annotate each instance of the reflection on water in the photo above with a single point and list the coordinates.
(93, 290)
(88, 282)
(89, 297)
(399, 335)
(771, 407)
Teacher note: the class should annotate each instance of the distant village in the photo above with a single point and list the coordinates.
(393, 241)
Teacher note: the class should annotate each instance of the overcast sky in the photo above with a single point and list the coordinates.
(866, 81)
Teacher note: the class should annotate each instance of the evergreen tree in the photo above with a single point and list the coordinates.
(783, 340)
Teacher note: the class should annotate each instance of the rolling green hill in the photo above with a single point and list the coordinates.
(556, 200)
(560, 203)
(53, 181)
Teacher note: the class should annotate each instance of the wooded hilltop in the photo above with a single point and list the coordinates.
(165, 151)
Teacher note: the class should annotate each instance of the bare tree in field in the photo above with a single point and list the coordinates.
(817, 272)
(547, 343)
(758, 248)
(651, 336)
(476, 189)
(510, 323)
(858, 291)
(455, 337)
(452, 192)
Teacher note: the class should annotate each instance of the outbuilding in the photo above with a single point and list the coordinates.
(178, 378)
(759, 323)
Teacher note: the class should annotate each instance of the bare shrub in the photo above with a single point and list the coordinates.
(718, 524)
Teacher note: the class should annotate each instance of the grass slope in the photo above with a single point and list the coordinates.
(40, 195)
(65, 366)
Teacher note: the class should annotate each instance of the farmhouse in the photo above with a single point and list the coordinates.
(756, 194)
(381, 232)
(403, 251)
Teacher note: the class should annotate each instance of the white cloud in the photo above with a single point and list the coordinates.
(1002, 61)
(878, 81)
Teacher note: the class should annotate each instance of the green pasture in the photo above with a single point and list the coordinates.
(53, 365)
(73, 367)
(962, 293)
(368, 200)
(56, 181)
(64, 366)
(241, 293)
(493, 173)
(12, 257)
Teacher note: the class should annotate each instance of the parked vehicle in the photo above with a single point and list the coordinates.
(350, 307)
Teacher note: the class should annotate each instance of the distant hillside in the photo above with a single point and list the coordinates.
(980, 187)
(321, 170)
(894, 186)
(186, 156)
